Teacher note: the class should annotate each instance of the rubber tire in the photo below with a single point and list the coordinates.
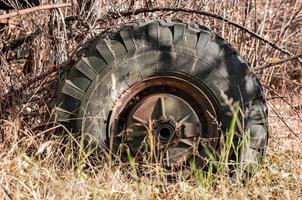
(111, 62)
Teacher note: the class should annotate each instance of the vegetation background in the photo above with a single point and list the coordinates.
(32, 163)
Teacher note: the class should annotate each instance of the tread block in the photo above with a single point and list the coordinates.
(166, 22)
(79, 79)
(257, 111)
(85, 68)
(72, 90)
(119, 49)
(105, 51)
(250, 158)
(194, 28)
(127, 39)
(258, 136)
(203, 41)
(153, 33)
(165, 36)
(179, 31)
(94, 59)
(62, 114)
(190, 39)
(213, 49)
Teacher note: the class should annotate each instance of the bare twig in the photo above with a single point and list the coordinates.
(285, 100)
(18, 41)
(283, 120)
(26, 83)
(4, 192)
(34, 9)
(280, 61)
(31, 80)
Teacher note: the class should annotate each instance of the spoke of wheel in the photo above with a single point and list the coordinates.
(131, 133)
(188, 142)
(159, 109)
(140, 120)
(178, 155)
(137, 125)
(192, 130)
(184, 118)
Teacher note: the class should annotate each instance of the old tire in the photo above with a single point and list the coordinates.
(146, 64)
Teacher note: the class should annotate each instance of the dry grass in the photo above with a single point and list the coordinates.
(35, 164)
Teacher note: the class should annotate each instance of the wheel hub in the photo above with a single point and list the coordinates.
(167, 114)
(164, 130)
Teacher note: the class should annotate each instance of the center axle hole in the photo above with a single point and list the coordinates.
(165, 133)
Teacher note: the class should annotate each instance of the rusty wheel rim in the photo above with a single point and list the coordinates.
(165, 120)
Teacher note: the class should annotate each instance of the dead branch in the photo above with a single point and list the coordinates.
(5, 192)
(33, 9)
(274, 109)
(26, 83)
(18, 41)
(283, 99)
(280, 61)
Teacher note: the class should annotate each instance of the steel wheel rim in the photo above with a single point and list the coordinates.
(169, 113)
